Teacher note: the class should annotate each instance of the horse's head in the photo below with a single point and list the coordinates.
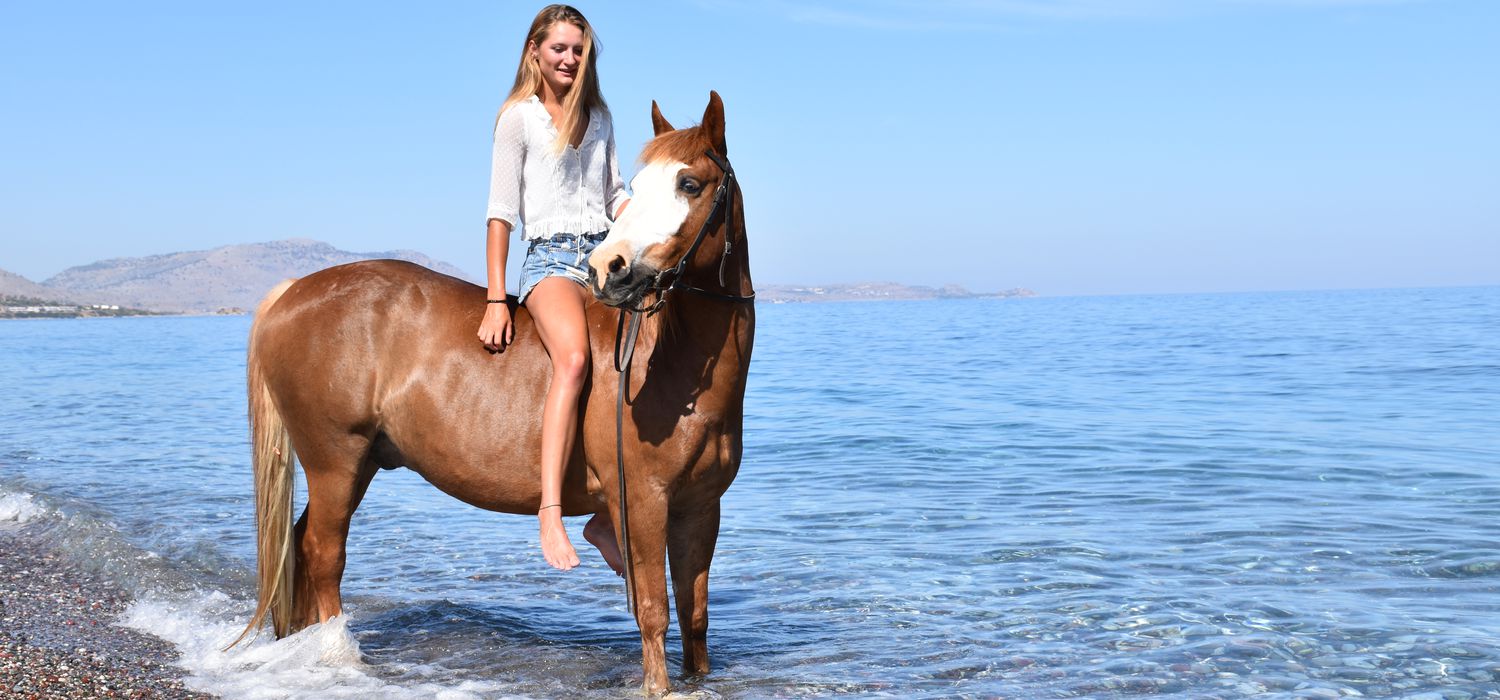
(673, 198)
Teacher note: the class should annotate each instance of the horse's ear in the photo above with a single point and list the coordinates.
(713, 122)
(658, 122)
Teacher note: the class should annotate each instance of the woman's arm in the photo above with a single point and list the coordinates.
(506, 167)
(615, 196)
(496, 331)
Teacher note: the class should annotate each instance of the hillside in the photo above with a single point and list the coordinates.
(205, 281)
(13, 285)
(233, 279)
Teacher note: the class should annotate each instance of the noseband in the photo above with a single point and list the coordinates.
(723, 204)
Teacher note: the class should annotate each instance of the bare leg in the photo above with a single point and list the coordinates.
(600, 532)
(556, 305)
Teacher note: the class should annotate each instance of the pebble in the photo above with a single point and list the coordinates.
(1429, 668)
(59, 639)
(1317, 693)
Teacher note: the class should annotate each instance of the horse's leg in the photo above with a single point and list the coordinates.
(690, 547)
(337, 475)
(648, 544)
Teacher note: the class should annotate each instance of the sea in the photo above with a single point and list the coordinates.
(1291, 494)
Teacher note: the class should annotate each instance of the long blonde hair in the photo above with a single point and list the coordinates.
(583, 96)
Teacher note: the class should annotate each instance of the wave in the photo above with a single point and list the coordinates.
(19, 508)
(322, 661)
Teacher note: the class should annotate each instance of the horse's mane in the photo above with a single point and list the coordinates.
(680, 145)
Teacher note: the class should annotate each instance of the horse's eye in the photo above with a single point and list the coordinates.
(689, 186)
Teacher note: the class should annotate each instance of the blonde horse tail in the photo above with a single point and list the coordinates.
(274, 463)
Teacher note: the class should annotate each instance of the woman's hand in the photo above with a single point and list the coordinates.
(496, 331)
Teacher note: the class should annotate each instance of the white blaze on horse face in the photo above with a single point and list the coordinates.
(656, 210)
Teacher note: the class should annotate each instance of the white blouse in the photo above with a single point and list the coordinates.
(577, 190)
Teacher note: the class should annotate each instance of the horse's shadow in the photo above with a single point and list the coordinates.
(452, 641)
(447, 641)
(670, 393)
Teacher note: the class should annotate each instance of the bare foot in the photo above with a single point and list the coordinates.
(601, 533)
(556, 547)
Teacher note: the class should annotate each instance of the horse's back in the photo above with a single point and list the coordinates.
(372, 314)
(389, 350)
(375, 285)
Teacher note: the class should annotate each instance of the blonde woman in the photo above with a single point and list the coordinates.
(555, 174)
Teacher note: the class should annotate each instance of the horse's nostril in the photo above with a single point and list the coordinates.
(616, 265)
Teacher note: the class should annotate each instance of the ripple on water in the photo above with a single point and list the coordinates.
(1276, 495)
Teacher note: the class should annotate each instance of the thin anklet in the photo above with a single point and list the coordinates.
(554, 505)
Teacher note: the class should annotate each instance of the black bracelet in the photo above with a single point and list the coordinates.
(494, 301)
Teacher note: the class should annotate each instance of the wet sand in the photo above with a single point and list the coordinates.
(58, 637)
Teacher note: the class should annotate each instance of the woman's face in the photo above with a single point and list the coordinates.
(559, 56)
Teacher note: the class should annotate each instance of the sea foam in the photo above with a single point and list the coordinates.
(321, 661)
(18, 508)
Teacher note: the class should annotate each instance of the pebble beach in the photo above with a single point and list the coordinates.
(59, 636)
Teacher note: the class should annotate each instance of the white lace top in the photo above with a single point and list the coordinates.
(577, 191)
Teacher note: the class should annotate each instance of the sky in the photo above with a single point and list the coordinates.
(1072, 147)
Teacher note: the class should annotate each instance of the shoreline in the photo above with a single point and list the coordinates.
(60, 635)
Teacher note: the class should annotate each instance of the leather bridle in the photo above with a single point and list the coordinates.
(723, 205)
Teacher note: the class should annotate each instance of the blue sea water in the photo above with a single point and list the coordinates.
(1235, 495)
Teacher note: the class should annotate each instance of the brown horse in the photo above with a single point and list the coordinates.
(374, 365)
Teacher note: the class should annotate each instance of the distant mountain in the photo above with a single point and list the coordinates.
(234, 278)
(205, 281)
(14, 285)
(875, 291)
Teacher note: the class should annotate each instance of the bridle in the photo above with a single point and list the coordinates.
(723, 205)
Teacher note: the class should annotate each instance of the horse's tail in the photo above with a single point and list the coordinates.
(274, 464)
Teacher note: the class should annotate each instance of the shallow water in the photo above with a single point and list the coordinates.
(1291, 494)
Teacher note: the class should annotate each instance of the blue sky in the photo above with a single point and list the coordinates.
(1069, 146)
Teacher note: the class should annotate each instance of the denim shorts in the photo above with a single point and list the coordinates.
(563, 255)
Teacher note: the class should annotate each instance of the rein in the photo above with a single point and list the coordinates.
(723, 202)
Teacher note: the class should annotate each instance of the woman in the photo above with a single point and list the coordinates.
(555, 173)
